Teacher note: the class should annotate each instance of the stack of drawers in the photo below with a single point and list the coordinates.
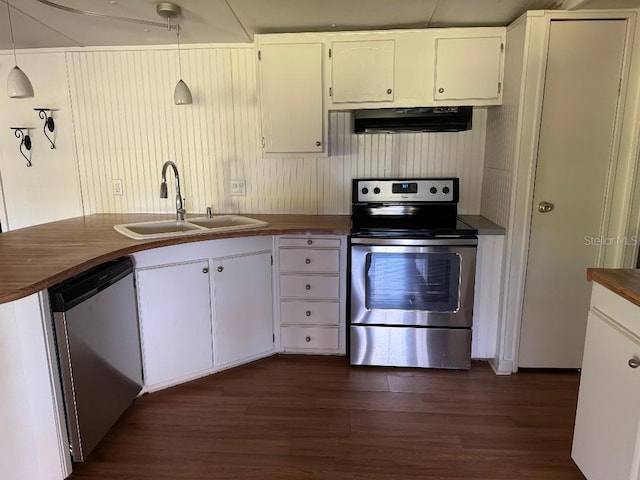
(311, 291)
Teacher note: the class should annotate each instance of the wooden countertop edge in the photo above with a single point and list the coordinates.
(9, 294)
(622, 281)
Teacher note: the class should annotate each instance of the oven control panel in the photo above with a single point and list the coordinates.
(409, 190)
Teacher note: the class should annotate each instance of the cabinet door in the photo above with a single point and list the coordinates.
(175, 321)
(362, 71)
(608, 408)
(243, 308)
(292, 98)
(468, 68)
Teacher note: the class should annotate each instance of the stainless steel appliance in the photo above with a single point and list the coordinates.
(412, 274)
(98, 342)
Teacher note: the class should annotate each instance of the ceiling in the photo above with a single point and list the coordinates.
(37, 25)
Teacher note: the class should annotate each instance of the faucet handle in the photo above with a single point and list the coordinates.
(209, 215)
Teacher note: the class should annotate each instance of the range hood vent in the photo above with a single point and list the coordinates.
(411, 120)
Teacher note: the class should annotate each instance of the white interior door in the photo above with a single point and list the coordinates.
(574, 155)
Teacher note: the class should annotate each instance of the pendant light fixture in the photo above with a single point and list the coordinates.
(18, 84)
(181, 94)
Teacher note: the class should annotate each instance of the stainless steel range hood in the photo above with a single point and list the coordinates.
(411, 120)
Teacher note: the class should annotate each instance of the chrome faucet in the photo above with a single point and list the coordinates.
(180, 211)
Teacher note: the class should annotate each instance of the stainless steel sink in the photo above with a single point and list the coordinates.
(176, 228)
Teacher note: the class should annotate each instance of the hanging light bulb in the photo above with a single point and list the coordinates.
(181, 94)
(18, 84)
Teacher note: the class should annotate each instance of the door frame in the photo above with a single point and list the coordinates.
(622, 198)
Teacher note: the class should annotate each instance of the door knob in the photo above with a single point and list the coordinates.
(545, 207)
(220, 269)
(634, 362)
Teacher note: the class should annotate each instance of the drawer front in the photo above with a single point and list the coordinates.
(302, 338)
(615, 307)
(317, 313)
(309, 260)
(310, 242)
(308, 286)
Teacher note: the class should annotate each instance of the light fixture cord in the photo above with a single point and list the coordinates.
(179, 58)
(13, 44)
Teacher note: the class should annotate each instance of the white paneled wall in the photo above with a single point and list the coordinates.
(48, 190)
(126, 127)
(502, 134)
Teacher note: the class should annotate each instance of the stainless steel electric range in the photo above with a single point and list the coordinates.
(412, 270)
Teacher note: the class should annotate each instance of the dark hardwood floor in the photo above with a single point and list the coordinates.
(299, 417)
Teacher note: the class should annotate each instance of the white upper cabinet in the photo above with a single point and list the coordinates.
(293, 113)
(362, 71)
(304, 75)
(468, 68)
(379, 70)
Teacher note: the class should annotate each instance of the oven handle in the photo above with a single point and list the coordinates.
(415, 242)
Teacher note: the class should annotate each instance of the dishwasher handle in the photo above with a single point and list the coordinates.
(79, 288)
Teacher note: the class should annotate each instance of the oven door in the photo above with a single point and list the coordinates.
(413, 282)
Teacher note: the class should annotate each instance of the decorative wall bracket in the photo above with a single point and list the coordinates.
(25, 141)
(49, 124)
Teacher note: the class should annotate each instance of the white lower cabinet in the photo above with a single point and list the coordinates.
(175, 322)
(311, 282)
(242, 308)
(204, 307)
(605, 441)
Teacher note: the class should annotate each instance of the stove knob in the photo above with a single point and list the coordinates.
(433, 190)
(376, 190)
(365, 190)
(445, 190)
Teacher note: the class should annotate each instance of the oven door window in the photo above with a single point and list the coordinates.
(413, 281)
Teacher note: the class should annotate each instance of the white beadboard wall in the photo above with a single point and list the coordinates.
(502, 134)
(126, 126)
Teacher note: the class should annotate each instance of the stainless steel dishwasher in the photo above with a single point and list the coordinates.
(98, 342)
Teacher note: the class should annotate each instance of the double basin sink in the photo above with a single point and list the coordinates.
(191, 226)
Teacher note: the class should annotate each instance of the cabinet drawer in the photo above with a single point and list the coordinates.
(614, 306)
(323, 313)
(309, 260)
(309, 286)
(320, 338)
(310, 242)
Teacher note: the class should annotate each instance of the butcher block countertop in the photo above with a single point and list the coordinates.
(623, 281)
(35, 258)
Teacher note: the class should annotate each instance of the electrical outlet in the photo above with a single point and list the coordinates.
(117, 186)
(238, 187)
